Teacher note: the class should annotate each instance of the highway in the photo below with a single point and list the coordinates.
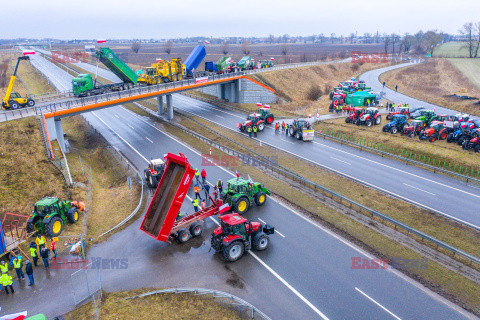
(305, 274)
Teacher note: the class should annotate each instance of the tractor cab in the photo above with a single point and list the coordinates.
(265, 114)
(81, 84)
(240, 194)
(153, 173)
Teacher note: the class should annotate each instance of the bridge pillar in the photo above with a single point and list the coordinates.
(160, 105)
(221, 88)
(59, 131)
(169, 107)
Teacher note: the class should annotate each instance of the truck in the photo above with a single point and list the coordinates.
(210, 66)
(225, 65)
(301, 129)
(160, 221)
(13, 100)
(245, 63)
(362, 98)
(85, 85)
(194, 59)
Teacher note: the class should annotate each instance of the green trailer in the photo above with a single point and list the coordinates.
(245, 63)
(84, 85)
(361, 98)
(225, 65)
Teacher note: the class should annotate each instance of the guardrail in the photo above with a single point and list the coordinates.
(398, 157)
(253, 312)
(256, 158)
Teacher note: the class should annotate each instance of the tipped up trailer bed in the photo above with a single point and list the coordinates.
(160, 220)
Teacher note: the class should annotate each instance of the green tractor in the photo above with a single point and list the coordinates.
(240, 194)
(427, 116)
(50, 215)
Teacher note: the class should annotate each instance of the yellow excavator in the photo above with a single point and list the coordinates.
(13, 100)
(163, 71)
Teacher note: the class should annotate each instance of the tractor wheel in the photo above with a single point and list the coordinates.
(407, 116)
(460, 140)
(261, 241)
(54, 227)
(270, 119)
(260, 198)
(450, 138)
(393, 130)
(241, 206)
(432, 138)
(216, 244)
(14, 105)
(261, 126)
(347, 120)
(357, 122)
(30, 102)
(420, 136)
(183, 235)
(291, 131)
(30, 227)
(378, 120)
(153, 181)
(477, 148)
(464, 144)
(72, 215)
(385, 128)
(368, 123)
(145, 174)
(298, 135)
(412, 134)
(196, 229)
(234, 251)
(389, 117)
(443, 136)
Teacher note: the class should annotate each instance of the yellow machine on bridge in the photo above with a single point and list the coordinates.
(163, 71)
(14, 100)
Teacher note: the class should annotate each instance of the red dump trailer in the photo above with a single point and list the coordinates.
(160, 220)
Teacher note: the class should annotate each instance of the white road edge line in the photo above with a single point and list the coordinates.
(130, 126)
(340, 160)
(149, 139)
(378, 304)
(433, 194)
(276, 231)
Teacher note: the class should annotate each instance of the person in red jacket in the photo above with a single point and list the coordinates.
(204, 175)
(53, 247)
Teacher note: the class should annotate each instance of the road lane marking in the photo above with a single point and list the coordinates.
(130, 126)
(418, 189)
(367, 183)
(378, 304)
(340, 160)
(276, 231)
(116, 115)
(149, 139)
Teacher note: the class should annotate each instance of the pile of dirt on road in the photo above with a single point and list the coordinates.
(26, 176)
(435, 81)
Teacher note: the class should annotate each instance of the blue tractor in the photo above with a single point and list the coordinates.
(399, 121)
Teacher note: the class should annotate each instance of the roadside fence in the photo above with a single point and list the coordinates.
(227, 299)
(469, 174)
(87, 284)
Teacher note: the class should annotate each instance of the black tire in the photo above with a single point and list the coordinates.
(49, 228)
(291, 131)
(368, 123)
(347, 120)
(420, 136)
(14, 105)
(477, 148)
(146, 173)
(385, 128)
(298, 135)
(433, 138)
(238, 203)
(261, 126)
(389, 117)
(261, 241)
(234, 251)
(153, 181)
(183, 235)
(393, 130)
(216, 243)
(30, 103)
(378, 120)
(196, 229)
(460, 140)
(450, 138)
(464, 144)
(260, 198)
(72, 215)
(30, 227)
(412, 134)
(357, 122)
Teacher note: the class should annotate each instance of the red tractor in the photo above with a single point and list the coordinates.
(237, 235)
(436, 131)
(415, 128)
(252, 120)
(356, 114)
(370, 117)
(472, 144)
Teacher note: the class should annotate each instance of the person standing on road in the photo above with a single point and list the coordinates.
(204, 176)
(283, 126)
(53, 247)
(45, 253)
(197, 175)
(40, 241)
(7, 283)
(249, 130)
(220, 186)
(215, 192)
(196, 189)
(255, 131)
(195, 204)
(206, 187)
(17, 265)
(4, 266)
(203, 205)
(286, 129)
(383, 84)
(276, 127)
(396, 88)
(33, 253)
(29, 272)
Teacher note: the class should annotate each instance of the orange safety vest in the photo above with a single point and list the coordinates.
(196, 189)
(203, 205)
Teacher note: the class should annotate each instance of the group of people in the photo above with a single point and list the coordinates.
(252, 130)
(17, 262)
(198, 202)
(283, 126)
(391, 106)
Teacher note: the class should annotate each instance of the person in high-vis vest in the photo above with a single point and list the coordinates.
(40, 241)
(18, 266)
(249, 130)
(215, 192)
(255, 129)
(196, 189)
(195, 204)
(7, 282)
(197, 175)
(34, 253)
(203, 205)
(220, 186)
(3, 267)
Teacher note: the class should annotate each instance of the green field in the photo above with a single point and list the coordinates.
(451, 50)
(469, 67)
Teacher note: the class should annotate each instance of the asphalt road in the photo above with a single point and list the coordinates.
(436, 192)
(305, 274)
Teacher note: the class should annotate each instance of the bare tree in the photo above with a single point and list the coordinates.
(432, 39)
(168, 46)
(406, 43)
(468, 30)
(284, 51)
(352, 37)
(332, 37)
(367, 37)
(245, 47)
(321, 38)
(477, 29)
(136, 46)
(419, 46)
(395, 39)
(285, 38)
(3, 73)
(271, 38)
(303, 57)
(225, 47)
(386, 42)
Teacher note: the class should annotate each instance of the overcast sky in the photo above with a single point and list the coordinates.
(114, 19)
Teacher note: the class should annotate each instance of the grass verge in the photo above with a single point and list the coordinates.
(116, 305)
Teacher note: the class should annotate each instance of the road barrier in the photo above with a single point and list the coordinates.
(403, 155)
(243, 306)
(257, 159)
